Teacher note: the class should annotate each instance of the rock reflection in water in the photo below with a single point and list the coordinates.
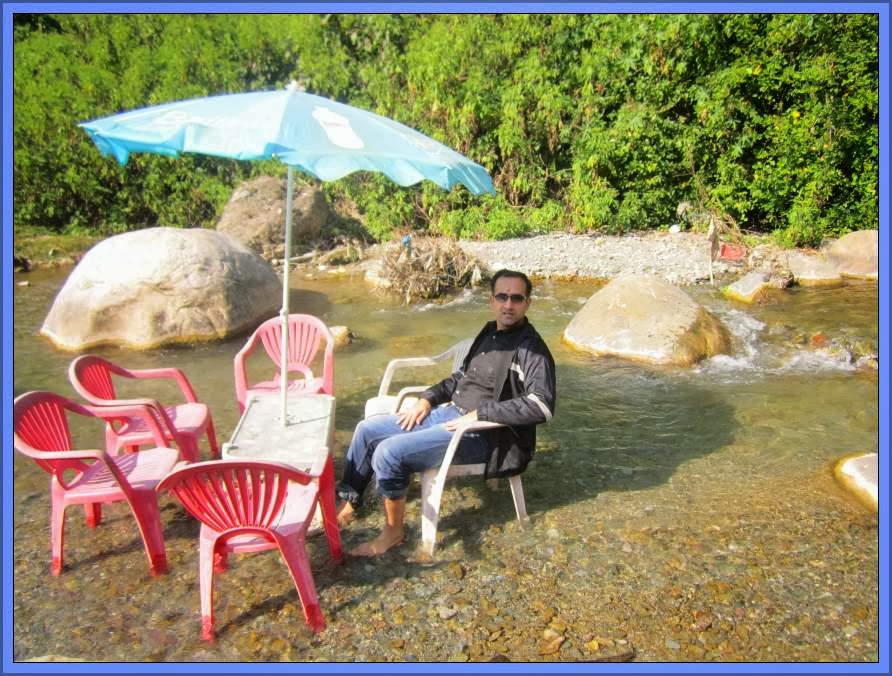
(676, 516)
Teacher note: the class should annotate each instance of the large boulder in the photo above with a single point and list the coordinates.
(646, 319)
(255, 216)
(856, 254)
(159, 286)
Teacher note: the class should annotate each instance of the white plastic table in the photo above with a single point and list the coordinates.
(303, 442)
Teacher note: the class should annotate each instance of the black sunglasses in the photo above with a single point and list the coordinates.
(515, 297)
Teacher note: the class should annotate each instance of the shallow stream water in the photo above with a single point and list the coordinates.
(676, 514)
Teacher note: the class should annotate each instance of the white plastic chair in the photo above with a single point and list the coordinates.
(433, 480)
(401, 401)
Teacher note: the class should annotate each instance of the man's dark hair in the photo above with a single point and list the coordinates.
(511, 273)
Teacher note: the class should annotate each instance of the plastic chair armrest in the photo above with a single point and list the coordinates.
(328, 369)
(147, 410)
(72, 460)
(405, 392)
(454, 441)
(72, 455)
(240, 367)
(440, 480)
(248, 347)
(169, 372)
(404, 362)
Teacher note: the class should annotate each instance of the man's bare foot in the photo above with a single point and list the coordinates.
(346, 514)
(386, 539)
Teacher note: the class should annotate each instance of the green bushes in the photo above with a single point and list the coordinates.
(585, 122)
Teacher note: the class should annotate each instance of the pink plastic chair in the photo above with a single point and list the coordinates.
(248, 506)
(91, 377)
(305, 334)
(91, 477)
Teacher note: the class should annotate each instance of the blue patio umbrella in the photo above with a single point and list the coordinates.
(321, 137)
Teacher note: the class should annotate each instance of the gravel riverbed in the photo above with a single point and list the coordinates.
(681, 258)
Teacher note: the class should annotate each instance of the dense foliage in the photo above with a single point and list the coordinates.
(586, 122)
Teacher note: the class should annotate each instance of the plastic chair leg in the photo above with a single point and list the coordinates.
(57, 533)
(111, 441)
(519, 503)
(221, 561)
(148, 518)
(430, 512)
(206, 569)
(329, 510)
(189, 451)
(93, 511)
(295, 556)
(212, 439)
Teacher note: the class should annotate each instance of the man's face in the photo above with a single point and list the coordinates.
(509, 312)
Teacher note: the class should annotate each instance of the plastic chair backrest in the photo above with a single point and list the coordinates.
(92, 378)
(229, 494)
(459, 352)
(40, 424)
(305, 333)
(41, 427)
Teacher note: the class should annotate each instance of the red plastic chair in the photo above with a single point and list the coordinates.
(305, 334)
(91, 377)
(248, 506)
(91, 477)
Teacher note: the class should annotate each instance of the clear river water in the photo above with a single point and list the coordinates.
(676, 514)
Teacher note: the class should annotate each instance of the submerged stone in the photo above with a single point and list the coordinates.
(749, 288)
(858, 474)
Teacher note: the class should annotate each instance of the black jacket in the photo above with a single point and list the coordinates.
(527, 398)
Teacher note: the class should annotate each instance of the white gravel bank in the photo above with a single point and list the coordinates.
(680, 258)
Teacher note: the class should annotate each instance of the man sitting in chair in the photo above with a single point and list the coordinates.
(507, 377)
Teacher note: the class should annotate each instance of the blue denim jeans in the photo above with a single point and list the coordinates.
(381, 447)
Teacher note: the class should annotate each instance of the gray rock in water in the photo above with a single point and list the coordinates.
(812, 269)
(159, 286)
(858, 474)
(646, 319)
(749, 288)
(342, 336)
(856, 254)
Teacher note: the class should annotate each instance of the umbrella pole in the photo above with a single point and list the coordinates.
(283, 313)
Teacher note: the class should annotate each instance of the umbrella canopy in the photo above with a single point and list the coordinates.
(316, 135)
(321, 137)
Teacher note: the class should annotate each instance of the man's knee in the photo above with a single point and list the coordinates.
(391, 475)
(363, 434)
(361, 427)
(386, 461)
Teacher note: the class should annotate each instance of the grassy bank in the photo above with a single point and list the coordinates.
(46, 250)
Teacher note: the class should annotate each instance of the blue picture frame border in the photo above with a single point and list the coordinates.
(6, 303)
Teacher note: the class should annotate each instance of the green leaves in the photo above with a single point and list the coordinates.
(586, 122)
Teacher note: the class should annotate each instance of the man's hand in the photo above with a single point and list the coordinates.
(455, 423)
(408, 419)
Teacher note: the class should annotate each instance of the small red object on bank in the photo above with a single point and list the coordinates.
(732, 252)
